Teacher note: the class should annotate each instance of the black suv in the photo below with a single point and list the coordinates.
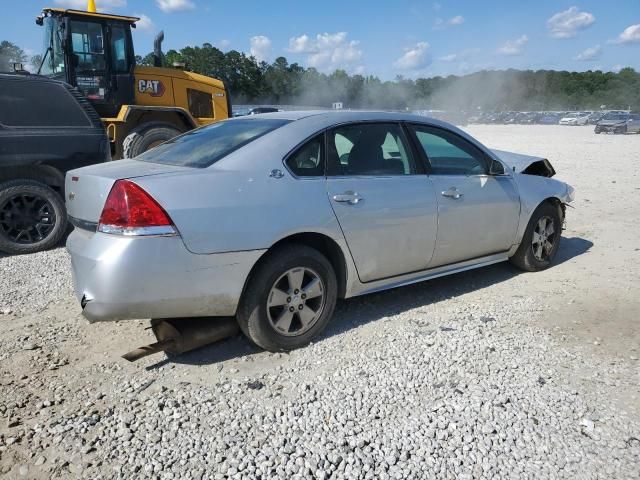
(46, 129)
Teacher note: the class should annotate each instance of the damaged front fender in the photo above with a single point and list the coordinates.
(526, 164)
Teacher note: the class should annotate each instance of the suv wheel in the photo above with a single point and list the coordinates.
(289, 299)
(32, 217)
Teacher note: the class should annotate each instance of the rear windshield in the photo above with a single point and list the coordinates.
(203, 147)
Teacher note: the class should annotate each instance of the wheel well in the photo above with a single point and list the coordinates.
(558, 204)
(137, 118)
(325, 245)
(46, 174)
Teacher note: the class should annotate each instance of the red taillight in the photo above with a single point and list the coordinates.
(129, 210)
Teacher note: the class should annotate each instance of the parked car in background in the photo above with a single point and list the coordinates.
(257, 110)
(575, 118)
(46, 129)
(272, 218)
(549, 118)
(613, 122)
(633, 124)
(595, 117)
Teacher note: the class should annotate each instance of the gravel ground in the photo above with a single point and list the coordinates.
(32, 282)
(485, 374)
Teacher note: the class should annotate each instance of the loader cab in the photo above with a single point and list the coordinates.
(93, 52)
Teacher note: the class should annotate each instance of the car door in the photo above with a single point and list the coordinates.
(478, 213)
(382, 198)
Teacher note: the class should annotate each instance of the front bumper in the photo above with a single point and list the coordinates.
(610, 128)
(120, 278)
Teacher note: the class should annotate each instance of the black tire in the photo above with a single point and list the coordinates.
(525, 258)
(38, 237)
(144, 137)
(253, 316)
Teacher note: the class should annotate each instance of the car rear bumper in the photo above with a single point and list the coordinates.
(120, 278)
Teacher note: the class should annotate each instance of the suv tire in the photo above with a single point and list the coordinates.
(32, 217)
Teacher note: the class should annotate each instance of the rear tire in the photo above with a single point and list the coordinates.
(275, 313)
(32, 217)
(539, 244)
(146, 137)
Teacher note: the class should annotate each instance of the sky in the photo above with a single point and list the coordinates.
(379, 37)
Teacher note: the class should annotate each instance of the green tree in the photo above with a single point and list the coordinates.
(10, 54)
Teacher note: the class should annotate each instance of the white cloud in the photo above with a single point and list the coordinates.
(589, 54)
(260, 47)
(568, 23)
(464, 55)
(439, 23)
(514, 47)
(102, 5)
(631, 34)
(223, 44)
(169, 6)
(617, 68)
(145, 24)
(301, 44)
(414, 58)
(452, 57)
(328, 51)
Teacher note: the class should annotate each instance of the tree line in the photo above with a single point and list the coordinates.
(281, 82)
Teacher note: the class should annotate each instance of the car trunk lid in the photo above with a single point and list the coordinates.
(86, 189)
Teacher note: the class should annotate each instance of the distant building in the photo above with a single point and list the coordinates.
(337, 106)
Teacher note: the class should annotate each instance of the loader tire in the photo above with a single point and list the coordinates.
(145, 137)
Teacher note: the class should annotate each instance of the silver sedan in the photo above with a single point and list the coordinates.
(272, 218)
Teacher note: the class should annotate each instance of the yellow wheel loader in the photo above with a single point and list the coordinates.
(140, 106)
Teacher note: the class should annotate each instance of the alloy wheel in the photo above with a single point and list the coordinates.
(544, 238)
(296, 301)
(26, 218)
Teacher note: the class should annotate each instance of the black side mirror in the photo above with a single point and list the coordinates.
(496, 168)
(75, 60)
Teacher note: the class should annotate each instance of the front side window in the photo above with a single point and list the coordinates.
(368, 149)
(204, 146)
(449, 154)
(308, 160)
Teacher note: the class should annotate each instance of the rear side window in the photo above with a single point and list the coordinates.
(39, 104)
(377, 149)
(203, 147)
(308, 160)
(200, 103)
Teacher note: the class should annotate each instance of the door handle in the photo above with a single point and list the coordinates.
(348, 197)
(452, 193)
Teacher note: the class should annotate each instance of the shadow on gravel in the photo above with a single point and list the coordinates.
(358, 311)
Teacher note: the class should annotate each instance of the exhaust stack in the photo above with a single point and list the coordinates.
(157, 49)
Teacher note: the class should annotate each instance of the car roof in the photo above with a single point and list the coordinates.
(340, 116)
(28, 77)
